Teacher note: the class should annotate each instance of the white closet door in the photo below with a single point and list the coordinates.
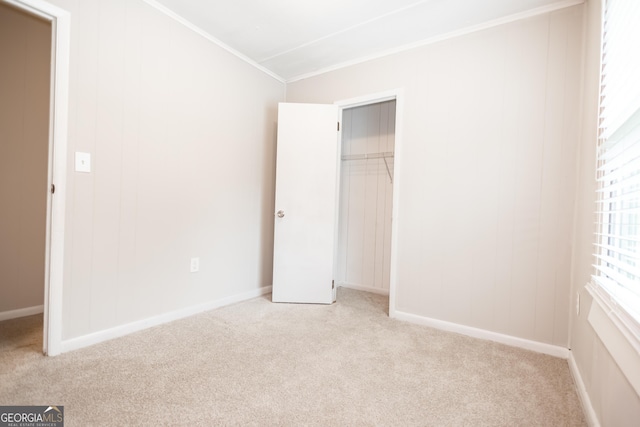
(306, 203)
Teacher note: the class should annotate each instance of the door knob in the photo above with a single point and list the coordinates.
(280, 213)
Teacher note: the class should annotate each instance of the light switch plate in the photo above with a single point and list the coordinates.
(83, 162)
(195, 265)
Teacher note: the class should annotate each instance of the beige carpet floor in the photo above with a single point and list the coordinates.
(263, 364)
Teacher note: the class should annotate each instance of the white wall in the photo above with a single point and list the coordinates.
(490, 132)
(614, 400)
(25, 58)
(182, 138)
(366, 190)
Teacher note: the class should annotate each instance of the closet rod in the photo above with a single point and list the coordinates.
(384, 156)
(368, 156)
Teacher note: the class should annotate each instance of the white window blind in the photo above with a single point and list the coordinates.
(617, 267)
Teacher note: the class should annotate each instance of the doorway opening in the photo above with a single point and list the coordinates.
(368, 194)
(25, 45)
(56, 123)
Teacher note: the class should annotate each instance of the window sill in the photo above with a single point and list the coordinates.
(617, 337)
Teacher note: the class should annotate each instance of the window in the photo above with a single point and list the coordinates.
(617, 268)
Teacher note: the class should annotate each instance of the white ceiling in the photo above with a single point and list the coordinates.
(296, 38)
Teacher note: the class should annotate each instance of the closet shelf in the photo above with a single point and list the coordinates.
(369, 156)
(385, 155)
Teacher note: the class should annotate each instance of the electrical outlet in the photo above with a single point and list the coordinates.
(577, 303)
(195, 264)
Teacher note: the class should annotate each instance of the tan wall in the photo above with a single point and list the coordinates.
(614, 400)
(486, 192)
(25, 62)
(182, 138)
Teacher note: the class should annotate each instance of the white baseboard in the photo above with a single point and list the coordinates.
(21, 312)
(119, 331)
(364, 288)
(552, 350)
(587, 407)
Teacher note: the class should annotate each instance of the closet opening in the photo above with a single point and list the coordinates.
(25, 84)
(366, 199)
(59, 24)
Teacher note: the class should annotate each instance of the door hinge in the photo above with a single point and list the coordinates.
(338, 126)
(53, 188)
(333, 284)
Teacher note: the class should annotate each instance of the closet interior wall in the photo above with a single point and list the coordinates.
(25, 70)
(366, 188)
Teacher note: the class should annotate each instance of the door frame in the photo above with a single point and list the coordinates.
(60, 21)
(374, 98)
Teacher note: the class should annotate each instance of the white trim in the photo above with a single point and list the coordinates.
(21, 312)
(626, 324)
(398, 95)
(435, 39)
(551, 350)
(364, 288)
(395, 210)
(587, 407)
(375, 98)
(129, 328)
(171, 14)
(58, 122)
(622, 344)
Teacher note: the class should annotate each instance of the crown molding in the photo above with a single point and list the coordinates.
(171, 14)
(453, 34)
